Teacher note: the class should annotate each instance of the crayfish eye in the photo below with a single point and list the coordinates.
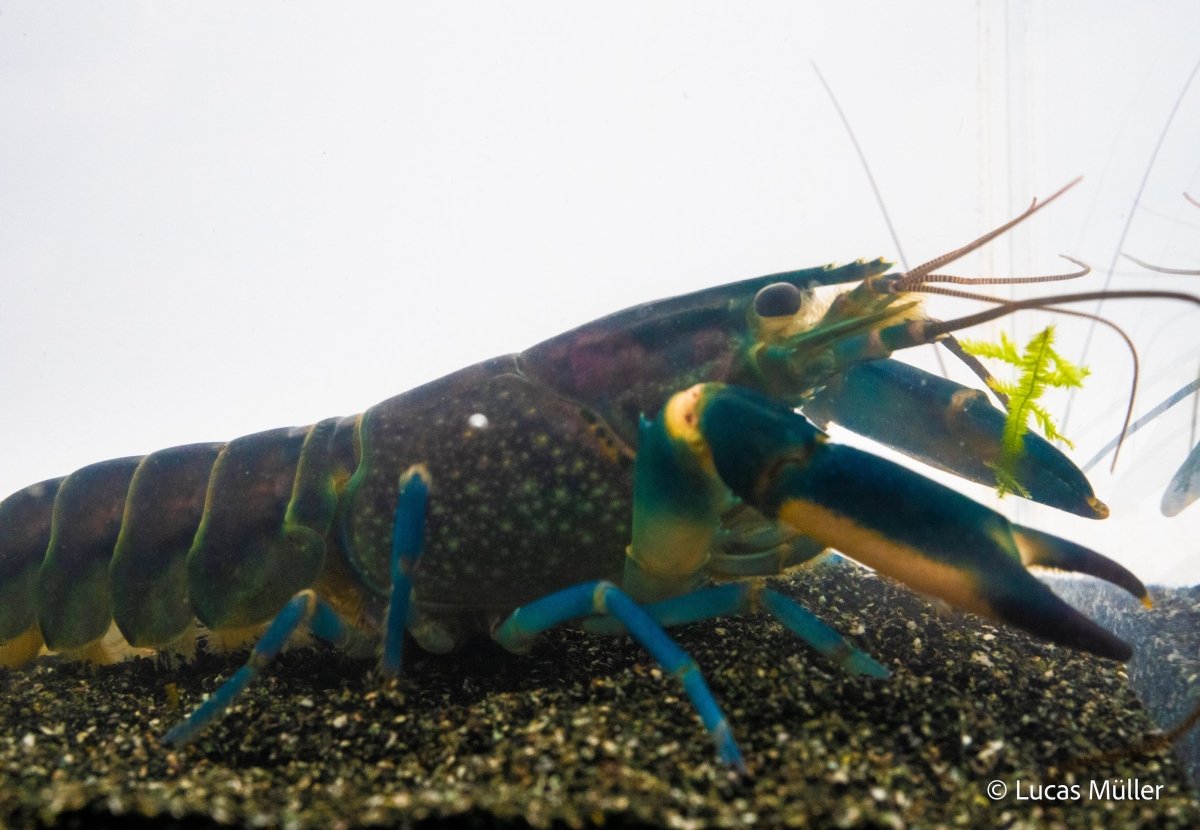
(781, 299)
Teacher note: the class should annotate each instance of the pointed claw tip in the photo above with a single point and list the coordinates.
(1098, 507)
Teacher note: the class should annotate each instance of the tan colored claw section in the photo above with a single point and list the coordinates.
(1099, 507)
(681, 416)
(888, 557)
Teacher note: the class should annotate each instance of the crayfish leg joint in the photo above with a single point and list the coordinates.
(415, 471)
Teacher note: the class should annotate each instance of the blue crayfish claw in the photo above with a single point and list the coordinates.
(895, 521)
(948, 426)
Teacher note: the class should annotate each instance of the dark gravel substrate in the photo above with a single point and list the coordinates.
(1165, 669)
(585, 732)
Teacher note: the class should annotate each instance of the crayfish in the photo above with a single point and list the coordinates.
(630, 474)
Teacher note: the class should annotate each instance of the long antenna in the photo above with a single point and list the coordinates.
(1172, 399)
(1087, 342)
(866, 167)
(862, 157)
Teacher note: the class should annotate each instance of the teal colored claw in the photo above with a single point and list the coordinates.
(948, 426)
(889, 518)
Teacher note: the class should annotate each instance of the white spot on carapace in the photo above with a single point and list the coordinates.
(478, 421)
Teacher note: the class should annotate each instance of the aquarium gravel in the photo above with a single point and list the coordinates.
(587, 732)
(1165, 669)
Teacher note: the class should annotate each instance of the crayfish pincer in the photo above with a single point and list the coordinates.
(631, 475)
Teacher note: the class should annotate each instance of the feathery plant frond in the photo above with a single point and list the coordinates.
(1041, 367)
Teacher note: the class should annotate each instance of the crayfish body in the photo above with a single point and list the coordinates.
(532, 490)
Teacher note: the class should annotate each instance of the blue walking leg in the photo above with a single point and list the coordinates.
(304, 607)
(809, 628)
(601, 597)
(408, 541)
(704, 604)
(743, 598)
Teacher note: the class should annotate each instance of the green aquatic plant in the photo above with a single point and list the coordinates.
(1041, 367)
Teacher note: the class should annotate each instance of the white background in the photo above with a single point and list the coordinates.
(221, 218)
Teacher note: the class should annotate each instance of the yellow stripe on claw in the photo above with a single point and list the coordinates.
(896, 560)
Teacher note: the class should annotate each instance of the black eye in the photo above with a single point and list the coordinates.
(781, 299)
